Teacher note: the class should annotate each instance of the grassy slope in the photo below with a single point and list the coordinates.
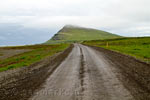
(70, 34)
(25, 59)
(137, 47)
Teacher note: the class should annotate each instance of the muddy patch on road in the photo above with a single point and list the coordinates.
(82, 70)
(82, 74)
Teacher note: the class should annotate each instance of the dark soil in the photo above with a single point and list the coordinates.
(6, 53)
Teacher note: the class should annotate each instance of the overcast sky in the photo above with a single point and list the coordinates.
(35, 21)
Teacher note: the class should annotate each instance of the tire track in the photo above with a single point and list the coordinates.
(64, 83)
(82, 74)
(102, 82)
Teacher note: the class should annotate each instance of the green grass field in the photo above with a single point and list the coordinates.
(137, 47)
(37, 53)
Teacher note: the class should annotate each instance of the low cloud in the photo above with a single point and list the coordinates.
(123, 17)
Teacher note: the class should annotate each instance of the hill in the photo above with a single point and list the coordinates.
(70, 33)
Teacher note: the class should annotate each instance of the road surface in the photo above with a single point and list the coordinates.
(85, 74)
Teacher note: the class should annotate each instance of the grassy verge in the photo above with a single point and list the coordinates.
(137, 47)
(37, 53)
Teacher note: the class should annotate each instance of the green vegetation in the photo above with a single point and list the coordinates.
(37, 53)
(77, 34)
(137, 47)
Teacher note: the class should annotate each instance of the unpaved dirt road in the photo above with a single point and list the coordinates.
(85, 74)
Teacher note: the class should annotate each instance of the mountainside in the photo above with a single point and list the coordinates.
(71, 33)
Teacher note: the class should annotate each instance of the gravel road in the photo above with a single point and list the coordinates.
(79, 73)
(86, 74)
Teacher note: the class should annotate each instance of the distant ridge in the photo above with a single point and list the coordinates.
(72, 33)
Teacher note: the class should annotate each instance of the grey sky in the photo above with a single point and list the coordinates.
(35, 21)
